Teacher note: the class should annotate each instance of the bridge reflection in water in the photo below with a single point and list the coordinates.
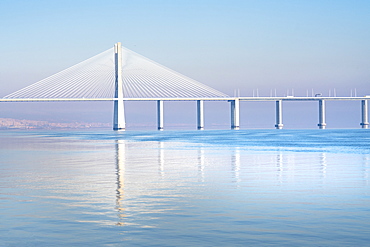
(153, 178)
(120, 171)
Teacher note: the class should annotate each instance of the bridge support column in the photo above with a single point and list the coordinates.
(279, 114)
(322, 124)
(365, 114)
(119, 109)
(235, 114)
(160, 116)
(200, 114)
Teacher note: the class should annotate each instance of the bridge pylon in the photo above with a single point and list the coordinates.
(119, 122)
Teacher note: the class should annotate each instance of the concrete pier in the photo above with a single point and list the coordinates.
(279, 114)
(322, 124)
(235, 114)
(200, 114)
(365, 114)
(119, 122)
(160, 116)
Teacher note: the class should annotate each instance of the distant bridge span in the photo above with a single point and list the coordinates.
(235, 119)
(241, 98)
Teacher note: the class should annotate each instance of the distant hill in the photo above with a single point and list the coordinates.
(9, 123)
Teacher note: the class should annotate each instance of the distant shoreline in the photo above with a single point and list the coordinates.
(10, 123)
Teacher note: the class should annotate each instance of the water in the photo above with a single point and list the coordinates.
(185, 188)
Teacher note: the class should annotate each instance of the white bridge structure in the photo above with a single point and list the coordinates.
(120, 75)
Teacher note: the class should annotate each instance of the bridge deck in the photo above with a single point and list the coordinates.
(286, 98)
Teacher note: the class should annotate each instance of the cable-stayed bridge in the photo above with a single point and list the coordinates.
(120, 75)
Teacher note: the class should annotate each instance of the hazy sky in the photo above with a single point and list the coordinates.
(226, 44)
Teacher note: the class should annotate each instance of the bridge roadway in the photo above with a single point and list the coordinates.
(234, 106)
(274, 98)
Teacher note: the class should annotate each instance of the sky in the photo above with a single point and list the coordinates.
(229, 45)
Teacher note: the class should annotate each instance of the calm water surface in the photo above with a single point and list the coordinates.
(185, 188)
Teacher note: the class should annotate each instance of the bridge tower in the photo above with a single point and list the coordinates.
(119, 109)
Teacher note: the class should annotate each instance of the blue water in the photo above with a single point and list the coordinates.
(185, 188)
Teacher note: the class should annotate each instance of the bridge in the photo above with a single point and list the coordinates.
(120, 75)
